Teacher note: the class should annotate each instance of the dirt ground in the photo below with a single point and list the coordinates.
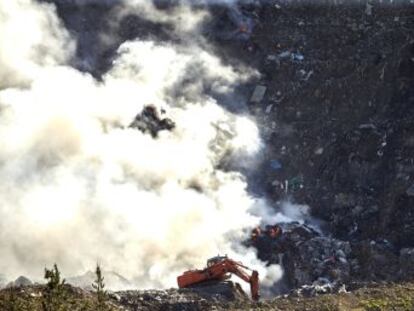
(381, 297)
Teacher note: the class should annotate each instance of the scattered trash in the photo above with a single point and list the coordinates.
(297, 56)
(272, 57)
(308, 75)
(342, 289)
(276, 183)
(368, 9)
(367, 126)
(269, 109)
(275, 164)
(286, 55)
(319, 151)
(296, 183)
(410, 191)
(258, 94)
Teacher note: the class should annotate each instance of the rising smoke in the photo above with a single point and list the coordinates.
(79, 186)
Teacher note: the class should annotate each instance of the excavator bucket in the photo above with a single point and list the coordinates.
(254, 285)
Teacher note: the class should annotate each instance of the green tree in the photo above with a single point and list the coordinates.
(54, 296)
(101, 294)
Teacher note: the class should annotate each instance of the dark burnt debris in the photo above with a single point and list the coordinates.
(310, 260)
(149, 121)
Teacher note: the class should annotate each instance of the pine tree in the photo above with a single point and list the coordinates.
(54, 296)
(99, 286)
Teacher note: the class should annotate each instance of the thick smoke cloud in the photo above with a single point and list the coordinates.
(30, 37)
(79, 186)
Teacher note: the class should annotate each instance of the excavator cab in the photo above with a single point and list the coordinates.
(214, 260)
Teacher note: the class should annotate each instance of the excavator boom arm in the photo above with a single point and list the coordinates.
(253, 280)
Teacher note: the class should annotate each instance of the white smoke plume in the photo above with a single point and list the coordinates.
(31, 37)
(79, 186)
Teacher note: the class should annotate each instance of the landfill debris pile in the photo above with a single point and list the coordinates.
(197, 298)
(314, 263)
(335, 108)
(320, 287)
(317, 259)
(149, 121)
(310, 260)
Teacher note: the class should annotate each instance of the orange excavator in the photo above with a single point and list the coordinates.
(219, 268)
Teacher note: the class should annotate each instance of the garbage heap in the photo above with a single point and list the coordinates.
(150, 121)
(308, 257)
(314, 263)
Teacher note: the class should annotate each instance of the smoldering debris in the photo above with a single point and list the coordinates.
(307, 257)
(150, 121)
(231, 23)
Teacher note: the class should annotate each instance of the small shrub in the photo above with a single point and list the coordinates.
(11, 302)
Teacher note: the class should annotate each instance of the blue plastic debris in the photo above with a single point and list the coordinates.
(275, 164)
(297, 56)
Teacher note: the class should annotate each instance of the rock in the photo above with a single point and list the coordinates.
(20, 281)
